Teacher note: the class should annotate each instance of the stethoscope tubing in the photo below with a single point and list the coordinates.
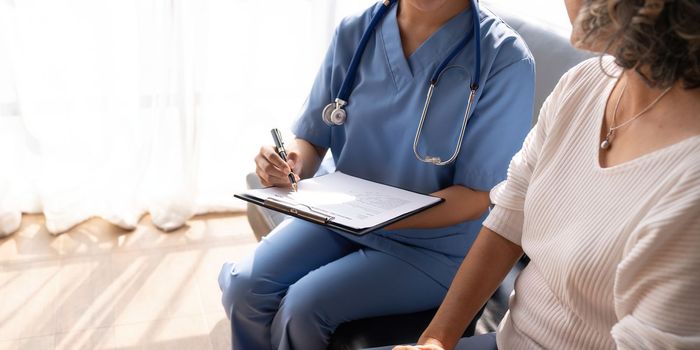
(460, 46)
(465, 120)
(349, 80)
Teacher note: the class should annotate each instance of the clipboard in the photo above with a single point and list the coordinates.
(311, 212)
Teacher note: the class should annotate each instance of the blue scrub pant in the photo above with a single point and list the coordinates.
(304, 280)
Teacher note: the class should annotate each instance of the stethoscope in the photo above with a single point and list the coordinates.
(334, 113)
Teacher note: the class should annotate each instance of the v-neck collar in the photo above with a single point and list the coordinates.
(430, 53)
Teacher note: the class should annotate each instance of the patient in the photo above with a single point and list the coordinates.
(604, 197)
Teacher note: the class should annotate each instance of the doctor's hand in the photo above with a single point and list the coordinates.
(272, 170)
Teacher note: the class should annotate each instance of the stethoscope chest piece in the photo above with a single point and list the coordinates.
(334, 113)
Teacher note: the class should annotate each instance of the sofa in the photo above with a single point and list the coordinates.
(553, 55)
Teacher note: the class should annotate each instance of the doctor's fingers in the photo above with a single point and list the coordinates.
(269, 180)
(269, 173)
(295, 162)
(269, 161)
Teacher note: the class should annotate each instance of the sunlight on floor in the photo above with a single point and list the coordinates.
(99, 287)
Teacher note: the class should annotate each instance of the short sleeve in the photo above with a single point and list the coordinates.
(502, 118)
(658, 280)
(507, 216)
(309, 126)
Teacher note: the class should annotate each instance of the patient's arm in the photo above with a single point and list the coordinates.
(486, 265)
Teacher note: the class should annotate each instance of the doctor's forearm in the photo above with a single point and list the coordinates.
(311, 157)
(460, 204)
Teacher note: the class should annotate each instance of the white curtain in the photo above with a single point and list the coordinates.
(116, 108)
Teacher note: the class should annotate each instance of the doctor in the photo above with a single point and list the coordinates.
(303, 279)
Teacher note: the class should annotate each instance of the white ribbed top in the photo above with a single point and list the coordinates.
(615, 252)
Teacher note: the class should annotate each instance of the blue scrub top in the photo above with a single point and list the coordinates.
(384, 108)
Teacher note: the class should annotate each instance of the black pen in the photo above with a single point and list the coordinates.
(279, 146)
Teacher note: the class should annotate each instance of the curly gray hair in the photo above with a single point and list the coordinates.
(660, 39)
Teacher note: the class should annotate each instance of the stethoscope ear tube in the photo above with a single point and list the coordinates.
(465, 120)
(428, 97)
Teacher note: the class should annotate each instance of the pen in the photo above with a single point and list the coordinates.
(279, 146)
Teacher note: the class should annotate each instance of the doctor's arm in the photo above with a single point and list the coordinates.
(310, 157)
(461, 204)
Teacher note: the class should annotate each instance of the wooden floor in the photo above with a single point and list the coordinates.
(99, 287)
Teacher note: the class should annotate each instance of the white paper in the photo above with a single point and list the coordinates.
(351, 201)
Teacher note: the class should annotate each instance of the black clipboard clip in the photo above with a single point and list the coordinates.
(283, 206)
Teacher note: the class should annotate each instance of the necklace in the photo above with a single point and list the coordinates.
(607, 143)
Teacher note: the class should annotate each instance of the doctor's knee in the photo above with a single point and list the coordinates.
(302, 312)
(234, 285)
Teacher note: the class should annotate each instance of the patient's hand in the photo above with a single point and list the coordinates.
(429, 344)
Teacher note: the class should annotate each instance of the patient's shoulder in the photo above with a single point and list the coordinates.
(579, 96)
(586, 84)
(589, 76)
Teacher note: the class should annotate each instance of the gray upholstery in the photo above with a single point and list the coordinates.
(553, 57)
(550, 46)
